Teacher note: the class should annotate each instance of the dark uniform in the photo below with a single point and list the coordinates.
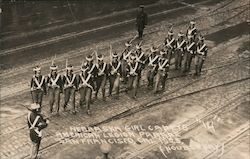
(70, 86)
(85, 86)
(191, 31)
(38, 86)
(114, 74)
(102, 75)
(141, 58)
(162, 72)
(200, 56)
(152, 62)
(141, 21)
(55, 87)
(36, 123)
(133, 69)
(190, 53)
(124, 61)
(180, 50)
(170, 44)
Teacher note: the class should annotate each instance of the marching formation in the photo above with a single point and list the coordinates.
(126, 67)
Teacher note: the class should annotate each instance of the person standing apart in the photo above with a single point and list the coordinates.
(141, 21)
(36, 124)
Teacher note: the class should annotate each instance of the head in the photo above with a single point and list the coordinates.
(100, 59)
(53, 69)
(37, 71)
(69, 70)
(89, 59)
(170, 34)
(133, 57)
(128, 45)
(190, 38)
(181, 35)
(141, 8)
(153, 50)
(162, 53)
(35, 108)
(84, 68)
(114, 57)
(192, 24)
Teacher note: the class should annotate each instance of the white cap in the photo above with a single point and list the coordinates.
(37, 68)
(53, 67)
(89, 58)
(152, 49)
(69, 68)
(115, 55)
(100, 57)
(192, 22)
(127, 44)
(34, 106)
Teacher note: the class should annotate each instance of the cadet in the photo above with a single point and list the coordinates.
(85, 86)
(141, 21)
(170, 44)
(180, 50)
(162, 71)
(36, 123)
(201, 55)
(102, 74)
(190, 53)
(55, 87)
(38, 86)
(152, 66)
(70, 86)
(91, 70)
(191, 31)
(124, 60)
(141, 58)
(133, 69)
(114, 74)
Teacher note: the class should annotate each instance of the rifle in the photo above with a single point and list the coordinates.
(110, 51)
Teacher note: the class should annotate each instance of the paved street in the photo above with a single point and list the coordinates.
(223, 83)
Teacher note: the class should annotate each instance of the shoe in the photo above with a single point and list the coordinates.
(74, 112)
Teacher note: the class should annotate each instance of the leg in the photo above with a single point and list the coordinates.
(72, 95)
(103, 84)
(200, 65)
(66, 97)
(82, 92)
(117, 85)
(88, 96)
(34, 149)
(135, 86)
(189, 62)
(51, 98)
(36, 96)
(98, 85)
(57, 99)
(181, 59)
(157, 82)
(33, 95)
(130, 83)
(40, 97)
(111, 84)
(177, 60)
(163, 81)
